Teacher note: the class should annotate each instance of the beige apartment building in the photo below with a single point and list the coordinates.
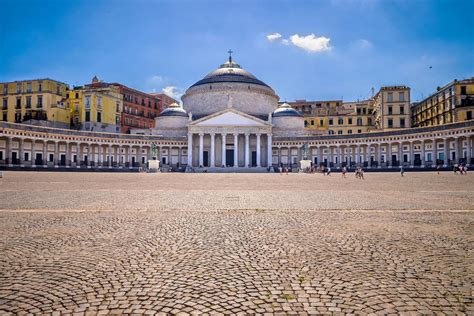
(391, 108)
(449, 104)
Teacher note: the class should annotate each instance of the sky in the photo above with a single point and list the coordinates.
(313, 50)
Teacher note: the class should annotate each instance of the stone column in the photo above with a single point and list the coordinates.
(223, 149)
(8, 153)
(379, 155)
(190, 149)
(258, 150)
(180, 156)
(21, 151)
(247, 150)
(213, 150)
(468, 150)
(7, 150)
(79, 153)
(400, 153)
(358, 154)
(56, 153)
(160, 153)
(389, 155)
(110, 155)
(99, 158)
(422, 154)
(434, 151)
(68, 154)
(33, 152)
(89, 154)
(369, 156)
(289, 156)
(170, 156)
(236, 150)
(201, 150)
(269, 150)
(446, 152)
(279, 156)
(338, 154)
(411, 155)
(456, 149)
(130, 165)
(45, 153)
(319, 154)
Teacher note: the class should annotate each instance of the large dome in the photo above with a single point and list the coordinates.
(230, 72)
(230, 86)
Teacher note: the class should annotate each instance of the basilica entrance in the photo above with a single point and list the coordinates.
(206, 159)
(254, 158)
(229, 157)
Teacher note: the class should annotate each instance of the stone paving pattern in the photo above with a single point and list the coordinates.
(79, 253)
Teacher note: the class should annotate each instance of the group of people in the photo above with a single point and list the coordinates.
(462, 169)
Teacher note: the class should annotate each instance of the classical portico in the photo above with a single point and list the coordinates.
(229, 138)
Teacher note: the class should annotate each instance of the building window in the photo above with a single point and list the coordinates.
(340, 121)
(331, 132)
(469, 115)
(390, 110)
(369, 121)
(5, 117)
(88, 116)
(349, 131)
(99, 117)
(88, 101)
(5, 89)
(99, 101)
(40, 87)
(463, 90)
(117, 106)
(28, 87)
(58, 90)
(18, 88)
(402, 109)
(390, 123)
(17, 117)
(349, 121)
(5, 103)
(117, 120)
(321, 122)
(28, 101)
(39, 101)
(401, 96)
(330, 121)
(339, 132)
(51, 157)
(402, 122)
(390, 97)
(18, 102)
(359, 131)
(359, 121)
(312, 122)
(305, 123)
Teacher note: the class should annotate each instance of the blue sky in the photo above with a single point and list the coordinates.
(319, 49)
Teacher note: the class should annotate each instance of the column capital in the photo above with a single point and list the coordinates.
(201, 134)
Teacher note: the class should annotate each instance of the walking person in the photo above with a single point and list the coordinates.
(344, 171)
(402, 171)
(329, 171)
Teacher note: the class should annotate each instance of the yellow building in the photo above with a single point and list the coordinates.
(391, 108)
(335, 117)
(449, 104)
(96, 107)
(39, 101)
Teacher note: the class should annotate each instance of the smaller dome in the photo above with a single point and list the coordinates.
(173, 110)
(285, 110)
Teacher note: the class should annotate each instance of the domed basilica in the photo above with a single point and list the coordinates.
(229, 118)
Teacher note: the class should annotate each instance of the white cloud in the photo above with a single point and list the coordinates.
(311, 43)
(364, 44)
(173, 92)
(285, 41)
(273, 37)
(156, 79)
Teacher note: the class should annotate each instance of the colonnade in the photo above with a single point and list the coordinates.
(229, 141)
(415, 152)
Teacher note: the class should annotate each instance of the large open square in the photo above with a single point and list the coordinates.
(89, 243)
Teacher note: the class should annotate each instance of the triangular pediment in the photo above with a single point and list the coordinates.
(229, 117)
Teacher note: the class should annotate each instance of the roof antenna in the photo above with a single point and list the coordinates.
(230, 55)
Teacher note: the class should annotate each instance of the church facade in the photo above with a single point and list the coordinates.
(231, 121)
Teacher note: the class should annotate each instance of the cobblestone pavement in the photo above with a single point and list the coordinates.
(77, 252)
